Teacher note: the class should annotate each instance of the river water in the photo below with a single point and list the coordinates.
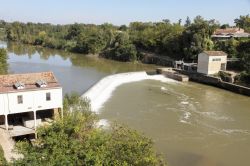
(191, 124)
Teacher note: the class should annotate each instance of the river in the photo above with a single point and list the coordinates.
(191, 124)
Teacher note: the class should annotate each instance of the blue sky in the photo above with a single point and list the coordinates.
(120, 11)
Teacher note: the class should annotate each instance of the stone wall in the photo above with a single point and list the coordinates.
(215, 81)
(235, 88)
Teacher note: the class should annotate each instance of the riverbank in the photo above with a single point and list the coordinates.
(217, 82)
(102, 90)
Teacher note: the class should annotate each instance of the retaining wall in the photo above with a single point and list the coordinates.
(215, 81)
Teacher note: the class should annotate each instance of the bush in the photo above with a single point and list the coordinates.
(2, 158)
(244, 77)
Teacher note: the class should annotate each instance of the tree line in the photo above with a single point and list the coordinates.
(128, 43)
(124, 43)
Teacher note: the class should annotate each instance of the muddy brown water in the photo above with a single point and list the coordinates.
(191, 124)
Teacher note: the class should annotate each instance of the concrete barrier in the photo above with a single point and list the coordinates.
(215, 81)
(170, 73)
(235, 88)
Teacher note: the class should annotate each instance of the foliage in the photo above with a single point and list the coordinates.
(3, 61)
(163, 38)
(3, 161)
(228, 46)
(244, 53)
(121, 48)
(243, 22)
(75, 140)
(196, 37)
(244, 78)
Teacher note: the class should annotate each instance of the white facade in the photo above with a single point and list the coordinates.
(33, 100)
(28, 98)
(211, 64)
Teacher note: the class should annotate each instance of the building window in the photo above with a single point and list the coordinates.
(217, 59)
(20, 99)
(48, 96)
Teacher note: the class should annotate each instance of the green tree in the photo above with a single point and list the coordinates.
(228, 46)
(196, 37)
(224, 26)
(121, 49)
(188, 22)
(243, 22)
(244, 54)
(3, 61)
(74, 31)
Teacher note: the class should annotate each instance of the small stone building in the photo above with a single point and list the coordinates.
(27, 101)
(211, 62)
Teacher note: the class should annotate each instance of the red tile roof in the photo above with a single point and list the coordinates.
(7, 81)
(228, 31)
(215, 53)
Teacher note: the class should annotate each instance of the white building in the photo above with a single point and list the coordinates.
(211, 62)
(28, 100)
(228, 33)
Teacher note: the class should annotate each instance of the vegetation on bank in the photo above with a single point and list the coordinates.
(128, 43)
(3, 161)
(75, 140)
(176, 40)
(3, 61)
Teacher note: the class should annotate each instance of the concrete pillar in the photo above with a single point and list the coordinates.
(6, 122)
(35, 120)
(55, 113)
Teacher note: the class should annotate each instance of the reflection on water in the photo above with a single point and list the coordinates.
(76, 72)
(191, 124)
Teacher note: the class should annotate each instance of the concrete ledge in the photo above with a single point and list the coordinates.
(217, 82)
(170, 73)
(235, 88)
(21, 130)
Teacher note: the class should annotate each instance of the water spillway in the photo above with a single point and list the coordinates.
(102, 90)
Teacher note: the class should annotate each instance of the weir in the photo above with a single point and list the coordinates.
(102, 90)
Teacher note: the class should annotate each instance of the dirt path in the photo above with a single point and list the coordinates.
(8, 145)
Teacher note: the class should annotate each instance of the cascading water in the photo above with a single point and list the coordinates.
(102, 90)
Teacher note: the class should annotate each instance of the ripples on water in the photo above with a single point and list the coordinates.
(190, 123)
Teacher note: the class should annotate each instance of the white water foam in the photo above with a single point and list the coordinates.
(185, 102)
(236, 131)
(185, 117)
(103, 123)
(216, 116)
(102, 90)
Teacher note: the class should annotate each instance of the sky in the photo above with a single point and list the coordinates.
(120, 12)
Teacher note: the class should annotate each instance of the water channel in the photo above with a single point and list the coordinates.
(191, 124)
